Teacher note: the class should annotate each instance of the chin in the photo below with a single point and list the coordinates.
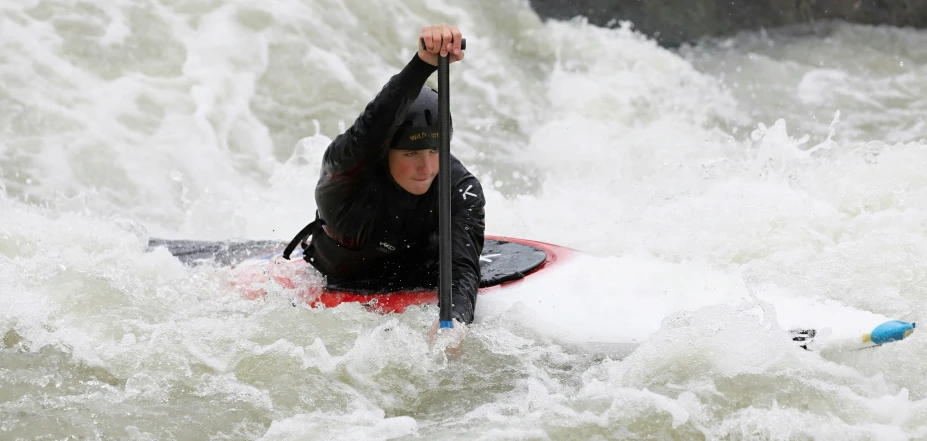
(420, 191)
(419, 188)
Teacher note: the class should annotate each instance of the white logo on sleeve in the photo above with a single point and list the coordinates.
(467, 192)
(488, 257)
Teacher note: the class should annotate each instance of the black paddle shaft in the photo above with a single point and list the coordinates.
(444, 193)
(445, 304)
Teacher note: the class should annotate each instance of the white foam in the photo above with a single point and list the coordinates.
(790, 168)
(325, 426)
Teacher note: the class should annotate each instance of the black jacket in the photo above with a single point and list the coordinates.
(378, 236)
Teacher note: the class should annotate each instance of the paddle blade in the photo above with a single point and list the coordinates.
(890, 331)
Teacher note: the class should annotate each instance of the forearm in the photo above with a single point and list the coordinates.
(468, 226)
(465, 286)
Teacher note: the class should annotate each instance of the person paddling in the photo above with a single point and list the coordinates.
(376, 227)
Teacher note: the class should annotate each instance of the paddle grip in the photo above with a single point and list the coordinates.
(463, 43)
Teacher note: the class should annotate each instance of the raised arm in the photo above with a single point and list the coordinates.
(371, 131)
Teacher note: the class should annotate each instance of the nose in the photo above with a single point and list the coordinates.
(427, 165)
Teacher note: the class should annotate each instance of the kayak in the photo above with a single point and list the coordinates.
(504, 261)
(258, 268)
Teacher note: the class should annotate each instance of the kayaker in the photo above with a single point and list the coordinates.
(376, 226)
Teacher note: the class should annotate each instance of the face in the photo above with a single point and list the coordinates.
(414, 170)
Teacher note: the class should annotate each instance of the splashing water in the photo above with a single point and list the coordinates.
(793, 163)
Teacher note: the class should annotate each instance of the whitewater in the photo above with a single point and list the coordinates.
(700, 183)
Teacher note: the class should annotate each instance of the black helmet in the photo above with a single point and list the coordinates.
(420, 129)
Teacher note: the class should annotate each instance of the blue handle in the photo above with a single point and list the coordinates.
(891, 331)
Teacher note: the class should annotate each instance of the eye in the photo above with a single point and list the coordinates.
(435, 151)
(411, 153)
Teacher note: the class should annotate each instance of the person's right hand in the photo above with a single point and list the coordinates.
(440, 39)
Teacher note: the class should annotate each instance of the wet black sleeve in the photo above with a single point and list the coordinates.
(467, 229)
(375, 125)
